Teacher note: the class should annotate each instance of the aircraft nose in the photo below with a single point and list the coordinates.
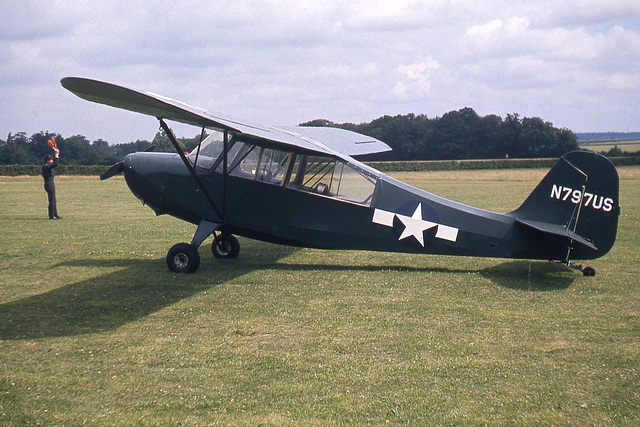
(145, 174)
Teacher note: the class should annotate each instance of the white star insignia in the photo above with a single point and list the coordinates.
(415, 226)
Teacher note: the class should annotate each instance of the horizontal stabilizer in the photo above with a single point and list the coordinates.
(557, 230)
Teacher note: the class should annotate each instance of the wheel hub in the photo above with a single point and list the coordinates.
(181, 260)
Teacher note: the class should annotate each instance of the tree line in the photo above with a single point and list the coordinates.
(461, 134)
(78, 150)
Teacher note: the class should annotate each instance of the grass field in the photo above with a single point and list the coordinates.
(94, 329)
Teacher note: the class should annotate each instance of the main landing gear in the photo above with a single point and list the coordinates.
(225, 246)
(184, 257)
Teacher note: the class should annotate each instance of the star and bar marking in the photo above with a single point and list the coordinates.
(414, 225)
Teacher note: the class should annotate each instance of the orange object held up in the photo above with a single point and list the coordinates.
(52, 142)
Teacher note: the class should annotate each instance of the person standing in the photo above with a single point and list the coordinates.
(50, 162)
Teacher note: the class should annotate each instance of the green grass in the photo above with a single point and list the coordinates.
(94, 328)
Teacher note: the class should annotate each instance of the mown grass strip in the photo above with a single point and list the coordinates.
(95, 329)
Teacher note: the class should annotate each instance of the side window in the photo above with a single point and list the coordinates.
(324, 176)
(333, 178)
(273, 166)
(233, 152)
(249, 164)
(355, 186)
(262, 164)
(318, 175)
(242, 160)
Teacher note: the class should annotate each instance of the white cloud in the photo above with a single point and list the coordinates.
(420, 70)
(397, 15)
(284, 62)
(498, 31)
(580, 13)
(416, 78)
(625, 81)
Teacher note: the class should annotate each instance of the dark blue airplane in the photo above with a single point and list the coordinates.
(301, 186)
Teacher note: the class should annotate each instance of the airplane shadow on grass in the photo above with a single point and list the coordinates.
(530, 275)
(518, 275)
(111, 300)
(143, 287)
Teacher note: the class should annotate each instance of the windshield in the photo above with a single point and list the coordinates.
(210, 149)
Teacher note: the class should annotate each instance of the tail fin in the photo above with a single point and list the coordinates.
(577, 199)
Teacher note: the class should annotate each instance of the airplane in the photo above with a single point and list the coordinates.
(301, 186)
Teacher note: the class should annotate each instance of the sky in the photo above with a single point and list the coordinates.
(573, 63)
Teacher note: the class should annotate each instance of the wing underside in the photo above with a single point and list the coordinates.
(326, 141)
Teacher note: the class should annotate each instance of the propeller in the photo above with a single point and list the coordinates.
(112, 171)
(119, 167)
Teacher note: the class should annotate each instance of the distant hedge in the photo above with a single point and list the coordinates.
(446, 165)
(397, 166)
(625, 160)
(34, 170)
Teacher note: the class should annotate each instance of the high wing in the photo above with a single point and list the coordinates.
(326, 141)
(341, 140)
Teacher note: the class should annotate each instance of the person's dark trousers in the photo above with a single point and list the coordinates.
(50, 188)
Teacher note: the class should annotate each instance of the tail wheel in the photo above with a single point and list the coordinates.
(225, 246)
(183, 258)
(589, 271)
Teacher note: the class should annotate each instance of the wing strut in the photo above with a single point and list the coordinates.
(173, 140)
(225, 167)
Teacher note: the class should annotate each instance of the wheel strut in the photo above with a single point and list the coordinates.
(204, 230)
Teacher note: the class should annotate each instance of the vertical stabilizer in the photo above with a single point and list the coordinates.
(578, 195)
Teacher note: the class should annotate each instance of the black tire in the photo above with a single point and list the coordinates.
(225, 246)
(183, 258)
(589, 271)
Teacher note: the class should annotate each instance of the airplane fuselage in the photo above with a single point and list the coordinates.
(397, 218)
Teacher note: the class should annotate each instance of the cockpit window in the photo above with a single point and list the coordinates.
(273, 166)
(319, 170)
(210, 150)
(249, 164)
(324, 176)
(262, 164)
(333, 178)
